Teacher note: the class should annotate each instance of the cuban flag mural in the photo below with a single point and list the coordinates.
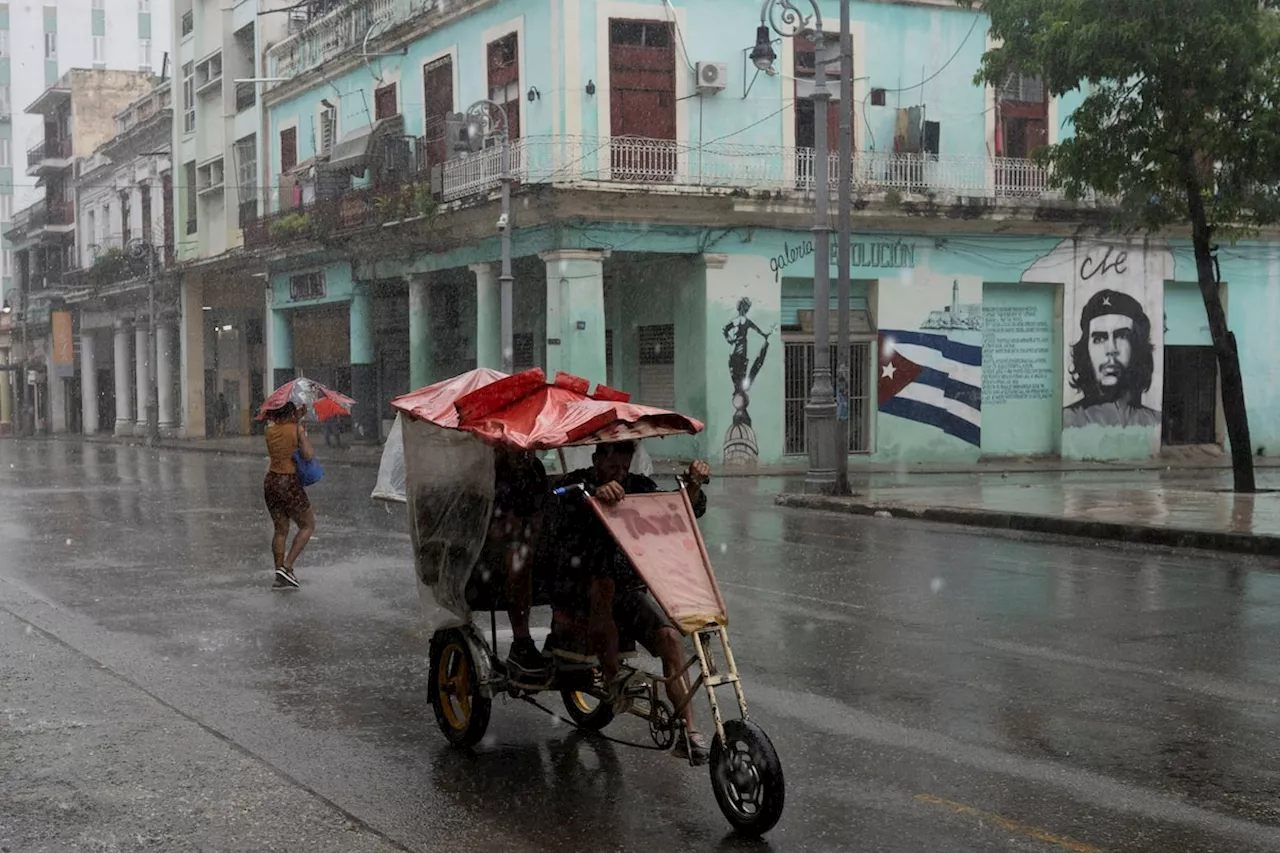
(933, 376)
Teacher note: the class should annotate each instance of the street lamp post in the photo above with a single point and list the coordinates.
(786, 19)
(486, 120)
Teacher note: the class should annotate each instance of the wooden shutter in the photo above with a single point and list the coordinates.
(437, 87)
(384, 102)
(504, 79)
(288, 148)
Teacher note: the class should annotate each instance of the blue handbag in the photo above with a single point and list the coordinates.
(309, 471)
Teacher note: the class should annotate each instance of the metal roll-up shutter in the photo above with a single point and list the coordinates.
(657, 360)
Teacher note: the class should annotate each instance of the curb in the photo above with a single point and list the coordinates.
(1238, 543)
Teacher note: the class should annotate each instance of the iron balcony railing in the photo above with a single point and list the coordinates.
(49, 149)
(340, 32)
(584, 161)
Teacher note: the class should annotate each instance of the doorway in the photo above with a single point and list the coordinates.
(1190, 395)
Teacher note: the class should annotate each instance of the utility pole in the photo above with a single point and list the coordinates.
(844, 380)
(506, 281)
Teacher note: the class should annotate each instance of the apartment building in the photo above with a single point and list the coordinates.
(39, 43)
(218, 187)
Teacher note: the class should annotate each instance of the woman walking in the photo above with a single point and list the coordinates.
(282, 489)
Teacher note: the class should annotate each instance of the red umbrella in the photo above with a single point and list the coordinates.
(321, 402)
(526, 412)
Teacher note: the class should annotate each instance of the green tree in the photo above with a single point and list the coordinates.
(1180, 125)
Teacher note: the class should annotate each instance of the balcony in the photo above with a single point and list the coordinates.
(54, 219)
(112, 263)
(341, 32)
(658, 166)
(52, 155)
(371, 206)
(663, 166)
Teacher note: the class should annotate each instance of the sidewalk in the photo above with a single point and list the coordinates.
(1181, 507)
(1180, 499)
(365, 455)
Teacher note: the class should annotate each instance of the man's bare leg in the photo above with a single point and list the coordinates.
(602, 631)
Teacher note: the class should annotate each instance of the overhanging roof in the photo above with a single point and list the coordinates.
(49, 100)
(353, 151)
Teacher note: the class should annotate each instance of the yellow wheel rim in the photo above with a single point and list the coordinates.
(584, 703)
(454, 686)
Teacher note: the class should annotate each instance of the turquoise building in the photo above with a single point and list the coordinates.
(661, 232)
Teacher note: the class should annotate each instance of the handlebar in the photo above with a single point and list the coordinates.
(682, 479)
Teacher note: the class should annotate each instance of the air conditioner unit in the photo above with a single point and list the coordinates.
(712, 76)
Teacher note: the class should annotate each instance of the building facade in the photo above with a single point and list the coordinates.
(124, 216)
(330, 222)
(219, 187)
(79, 115)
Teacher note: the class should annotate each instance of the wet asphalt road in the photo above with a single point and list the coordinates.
(928, 688)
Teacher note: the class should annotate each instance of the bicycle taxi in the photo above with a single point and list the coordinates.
(439, 461)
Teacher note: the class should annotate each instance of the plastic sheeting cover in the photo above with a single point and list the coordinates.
(449, 477)
(390, 484)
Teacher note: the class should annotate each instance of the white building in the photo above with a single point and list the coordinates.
(39, 43)
(124, 217)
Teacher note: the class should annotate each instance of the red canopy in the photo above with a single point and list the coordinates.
(526, 412)
(436, 403)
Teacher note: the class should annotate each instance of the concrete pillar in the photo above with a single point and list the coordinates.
(124, 393)
(281, 348)
(56, 385)
(141, 341)
(575, 313)
(419, 335)
(6, 398)
(488, 317)
(364, 367)
(166, 356)
(88, 383)
(192, 333)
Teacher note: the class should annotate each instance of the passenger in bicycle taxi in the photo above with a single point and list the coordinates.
(619, 601)
(520, 489)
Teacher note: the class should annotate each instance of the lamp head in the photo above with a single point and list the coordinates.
(762, 55)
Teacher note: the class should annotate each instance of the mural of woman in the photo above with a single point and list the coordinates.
(740, 445)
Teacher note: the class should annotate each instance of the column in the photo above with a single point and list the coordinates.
(419, 324)
(193, 333)
(88, 383)
(281, 348)
(575, 313)
(124, 394)
(166, 354)
(488, 317)
(728, 375)
(56, 388)
(141, 342)
(6, 397)
(364, 367)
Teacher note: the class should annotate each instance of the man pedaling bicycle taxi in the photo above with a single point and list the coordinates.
(619, 601)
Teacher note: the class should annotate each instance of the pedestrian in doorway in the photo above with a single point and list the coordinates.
(221, 414)
(287, 501)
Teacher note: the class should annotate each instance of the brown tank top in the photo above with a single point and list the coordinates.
(282, 441)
